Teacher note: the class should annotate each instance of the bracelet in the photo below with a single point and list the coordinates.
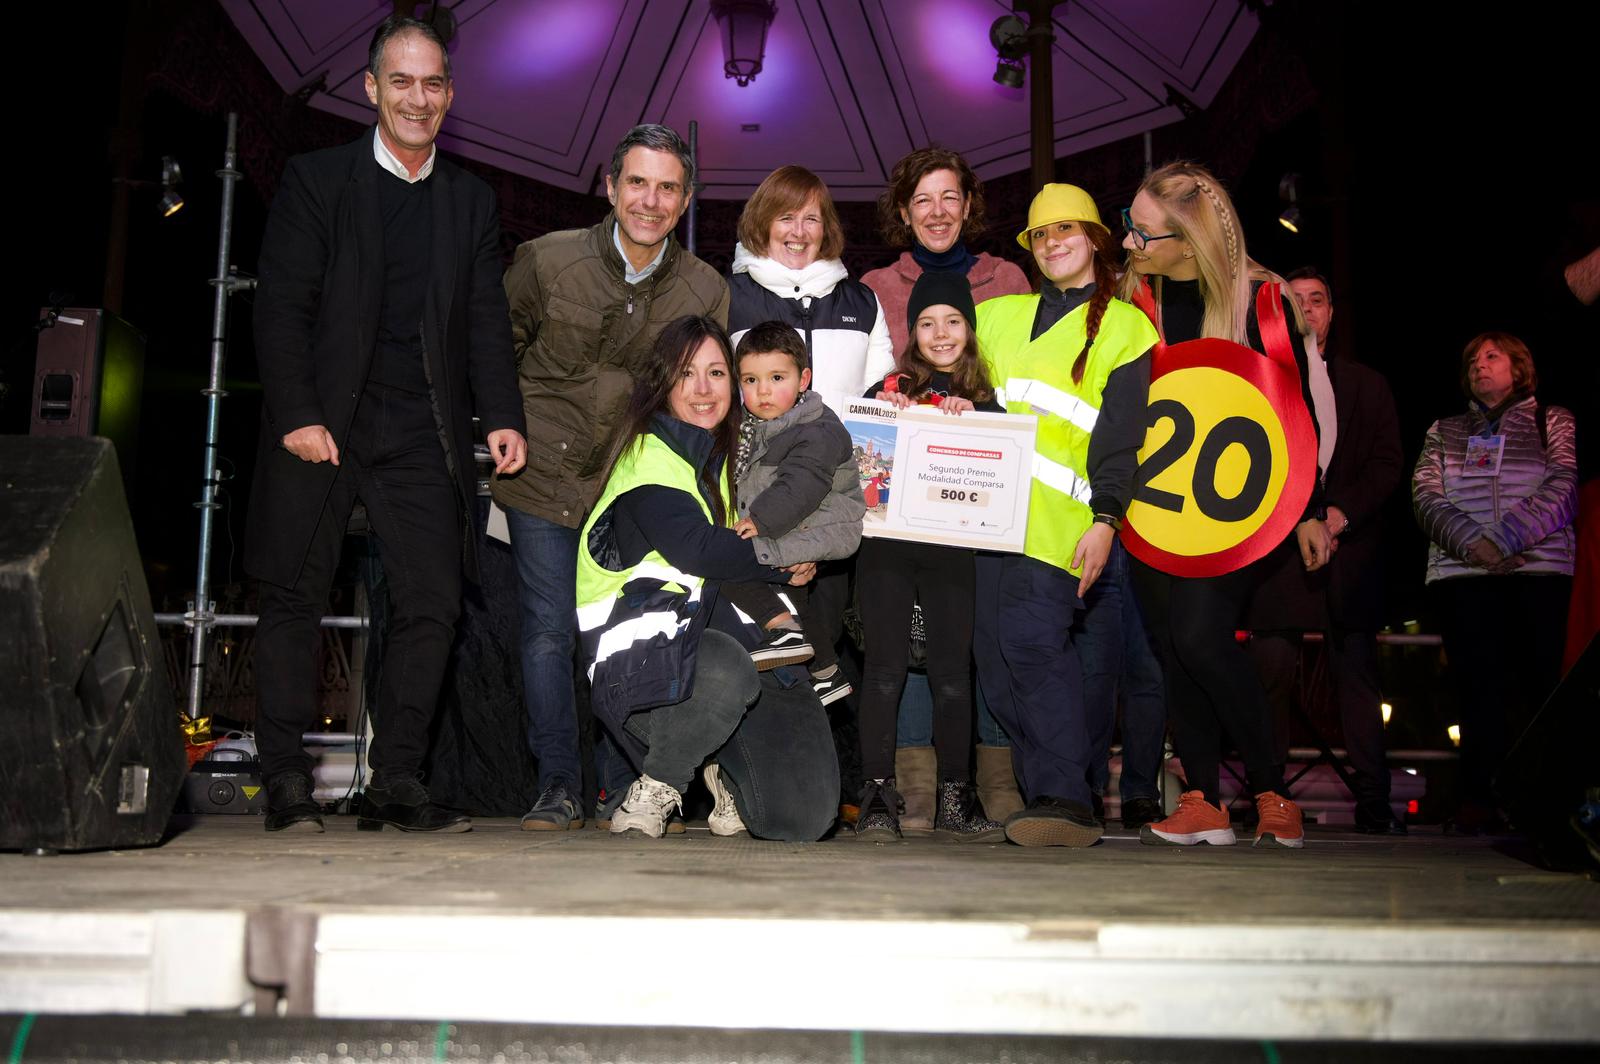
(1109, 519)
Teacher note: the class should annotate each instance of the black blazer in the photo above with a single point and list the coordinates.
(1365, 469)
(316, 321)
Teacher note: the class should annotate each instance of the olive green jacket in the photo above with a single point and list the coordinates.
(581, 335)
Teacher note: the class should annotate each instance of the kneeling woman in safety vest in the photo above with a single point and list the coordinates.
(1076, 358)
(668, 661)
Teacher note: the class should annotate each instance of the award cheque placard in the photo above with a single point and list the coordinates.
(960, 480)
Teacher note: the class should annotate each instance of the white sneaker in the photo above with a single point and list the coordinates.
(647, 808)
(724, 819)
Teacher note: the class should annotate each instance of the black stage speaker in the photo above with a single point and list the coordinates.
(90, 751)
(1546, 778)
(88, 378)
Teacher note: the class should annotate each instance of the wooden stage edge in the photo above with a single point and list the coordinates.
(1428, 938)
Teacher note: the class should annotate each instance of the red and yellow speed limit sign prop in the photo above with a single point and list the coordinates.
(1230, 455)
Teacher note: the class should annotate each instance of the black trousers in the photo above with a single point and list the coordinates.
(1212, 689)
(892, 576)
(1503, 636)
(762, 602)
(394, 463)
(1353, 672)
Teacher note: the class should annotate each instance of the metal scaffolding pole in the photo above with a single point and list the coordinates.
(691, 240)
(201, 614)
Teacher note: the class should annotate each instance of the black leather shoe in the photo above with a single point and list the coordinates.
(1376, 818)
(1137, 812)
(290, 805)
(1051, 821)
(403, 803)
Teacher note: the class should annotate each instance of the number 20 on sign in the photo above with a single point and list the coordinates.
(1228, 461)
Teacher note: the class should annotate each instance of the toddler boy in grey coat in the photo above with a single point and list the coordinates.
(799, 496)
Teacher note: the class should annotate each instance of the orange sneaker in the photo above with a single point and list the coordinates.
(1279, 826)
(1196, 821)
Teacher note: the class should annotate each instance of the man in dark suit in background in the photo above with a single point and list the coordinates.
(381, 328)
(1345, 599)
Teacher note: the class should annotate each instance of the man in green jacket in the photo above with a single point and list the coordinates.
(586, 306)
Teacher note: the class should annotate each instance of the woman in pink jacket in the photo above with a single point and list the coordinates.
(934, 204)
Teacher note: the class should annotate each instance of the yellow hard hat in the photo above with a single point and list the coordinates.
(1059, 203)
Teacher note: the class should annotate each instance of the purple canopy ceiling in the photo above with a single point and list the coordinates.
(544, 88)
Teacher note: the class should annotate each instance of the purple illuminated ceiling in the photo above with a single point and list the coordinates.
(545, 87)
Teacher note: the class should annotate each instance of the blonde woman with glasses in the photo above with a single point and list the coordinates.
(1189, 268)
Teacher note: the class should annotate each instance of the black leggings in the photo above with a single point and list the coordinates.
(891, 576)
(1213, 692)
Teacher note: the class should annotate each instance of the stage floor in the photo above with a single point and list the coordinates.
(1426, 938)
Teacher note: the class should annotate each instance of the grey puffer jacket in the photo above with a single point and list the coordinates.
(801, 487)
(1527, 509)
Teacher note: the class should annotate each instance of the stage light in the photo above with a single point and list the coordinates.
(1454, 731)
(171, 177)
(1387, 710)
(1008, 73)
(744, 35)
(1009, 35)
(1289, 192)
(1409, 771)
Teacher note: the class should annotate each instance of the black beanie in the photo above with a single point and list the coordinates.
(933, 289)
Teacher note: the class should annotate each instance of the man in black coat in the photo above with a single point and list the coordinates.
(381, 328)
(1345, 599)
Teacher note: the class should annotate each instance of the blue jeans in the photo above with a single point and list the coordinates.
(1118, 657)
(547, 576)
(915, 725)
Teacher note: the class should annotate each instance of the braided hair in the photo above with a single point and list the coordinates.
(1105, 284)
(1199, 210)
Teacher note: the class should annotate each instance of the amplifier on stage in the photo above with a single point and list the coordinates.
(226, 780)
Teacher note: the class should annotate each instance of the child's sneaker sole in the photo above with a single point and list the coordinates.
(833, 693)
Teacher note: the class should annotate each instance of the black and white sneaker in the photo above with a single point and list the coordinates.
(783, 646)
(831, 689)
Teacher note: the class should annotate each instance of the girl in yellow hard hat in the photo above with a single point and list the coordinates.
(1076, 357)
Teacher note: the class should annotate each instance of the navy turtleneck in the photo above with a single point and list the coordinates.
(955, 259)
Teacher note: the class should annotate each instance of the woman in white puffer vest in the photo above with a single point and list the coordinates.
(786, 268)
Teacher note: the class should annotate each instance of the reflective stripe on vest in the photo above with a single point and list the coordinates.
(1047, 397)
(1061, 478)
(638, 629)
(595, 614)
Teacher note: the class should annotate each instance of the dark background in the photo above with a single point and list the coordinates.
(1443, 185)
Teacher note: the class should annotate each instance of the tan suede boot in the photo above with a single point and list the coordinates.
(997, 784)
(916, 773)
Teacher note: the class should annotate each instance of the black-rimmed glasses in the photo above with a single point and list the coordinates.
(1141, 239)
